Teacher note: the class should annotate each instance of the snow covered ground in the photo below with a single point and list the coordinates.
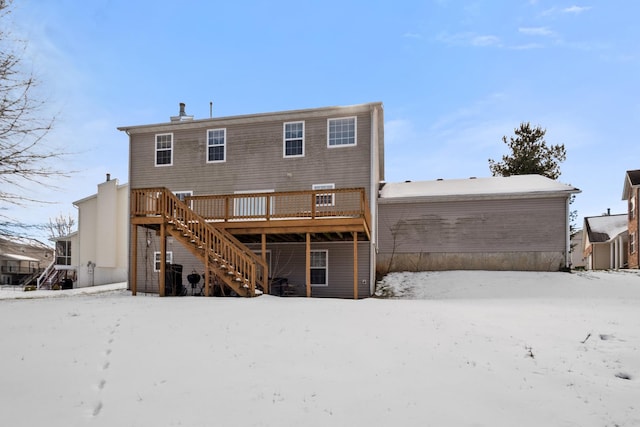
(456, 348)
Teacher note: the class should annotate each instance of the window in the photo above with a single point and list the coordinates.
(319, 267)
(294, 139)
(182, 195)
(216, 145)
(164, 149)
(324, 199)
(156, 260)
(632, 207)
(632, 243)
(252, 206)
(341, 132)
(63, 252)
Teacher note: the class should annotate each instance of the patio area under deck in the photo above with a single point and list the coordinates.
(296, 216)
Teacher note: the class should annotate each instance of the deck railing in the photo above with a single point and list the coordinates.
(310, 204)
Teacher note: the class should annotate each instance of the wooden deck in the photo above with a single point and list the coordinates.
(216, 227)
(282, 216)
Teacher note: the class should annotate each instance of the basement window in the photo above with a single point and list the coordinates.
(156, 260)
(319, 267)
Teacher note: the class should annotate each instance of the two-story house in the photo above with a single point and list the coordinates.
(95, 254)
(631, 193)
(255, 203)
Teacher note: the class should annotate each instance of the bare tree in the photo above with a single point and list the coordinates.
(24, 158)
(61, 226)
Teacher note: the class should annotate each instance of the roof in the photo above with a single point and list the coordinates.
(632, 179)
(606, 227)
(492, 187)
(252, 118)
(15, 257)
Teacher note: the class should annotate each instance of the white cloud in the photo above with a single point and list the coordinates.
(536, 31)
(412, 35)
(485, 40)
(469, 39)
(576, 9)
(571, 9)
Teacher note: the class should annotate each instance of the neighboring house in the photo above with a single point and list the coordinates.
(605, 241)
(631, 193)
(256, 202)
(498, 223)
(578, 261)
(22, 260)
(97, 253)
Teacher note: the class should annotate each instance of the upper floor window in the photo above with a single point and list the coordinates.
(341, 132)
(632, 207)
(164, 149)
(216, 145)
(293, 139)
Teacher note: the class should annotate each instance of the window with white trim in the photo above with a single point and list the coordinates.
(632, 207)
(252, 206)
(341, 132)
(632, 243)
(216, 145)
(293, 145)
(156, 260)
(164, 149)
(182, 195)
(324, 199)
(319, 267)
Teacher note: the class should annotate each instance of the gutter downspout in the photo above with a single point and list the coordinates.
(373, 196)
(567, 254)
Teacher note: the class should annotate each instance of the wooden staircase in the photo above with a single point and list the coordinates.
(224, 256)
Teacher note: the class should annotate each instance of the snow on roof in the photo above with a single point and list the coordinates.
(606, 227)
(493, 186)
(18, 257)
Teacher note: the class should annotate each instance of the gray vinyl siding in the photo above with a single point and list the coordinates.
(512, 225)
(148, 243)
(254, 157)
(288, 260)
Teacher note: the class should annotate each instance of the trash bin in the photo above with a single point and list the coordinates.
(67, 284)
(173, 280)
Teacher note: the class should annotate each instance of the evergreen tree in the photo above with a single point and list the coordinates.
(530, 154)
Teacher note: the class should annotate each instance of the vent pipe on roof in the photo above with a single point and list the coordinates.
(182, 114)
(108, 177)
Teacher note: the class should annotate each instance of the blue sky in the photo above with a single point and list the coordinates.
(454, 77)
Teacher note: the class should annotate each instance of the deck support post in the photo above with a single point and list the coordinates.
(207, 275)
(355, 265)
(163, 259)
(263, 248)
(133, 271)
(308, 265)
